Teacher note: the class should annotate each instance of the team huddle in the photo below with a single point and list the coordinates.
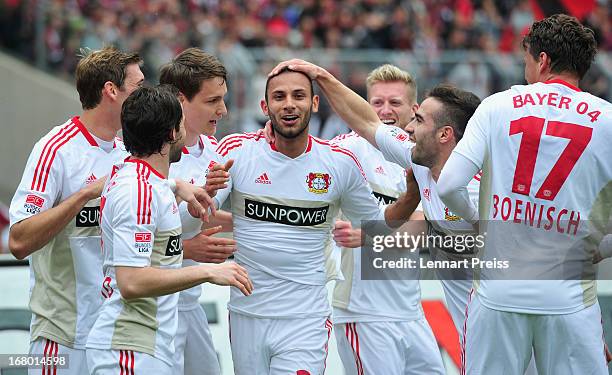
(120, 232)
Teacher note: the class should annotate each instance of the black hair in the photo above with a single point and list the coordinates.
(285, 70)
(148, 117)
(458, 106)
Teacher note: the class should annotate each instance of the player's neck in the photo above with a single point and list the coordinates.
(160, 162)
(436, 169)
(191, 139)
(569, 78)
(291, 147)
(100, 123)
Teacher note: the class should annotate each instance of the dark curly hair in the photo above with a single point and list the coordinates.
(148, 117)
(570, 46)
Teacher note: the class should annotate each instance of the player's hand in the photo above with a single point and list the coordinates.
(198, 201)
(311, 70)
(204, 248)
(94, 190)
(268, 132)
(218, 177)
(231, 274)
(345, 235)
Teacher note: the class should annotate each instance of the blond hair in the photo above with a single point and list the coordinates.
(391, 73)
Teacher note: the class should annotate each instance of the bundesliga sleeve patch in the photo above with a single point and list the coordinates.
(143, 242)
(33, 204)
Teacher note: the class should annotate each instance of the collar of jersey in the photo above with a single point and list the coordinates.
(308, 147)
(76, 120)
(146, 165)
(200, 142)
(562, 82)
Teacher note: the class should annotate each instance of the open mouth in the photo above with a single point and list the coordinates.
(290, 119)
(389, 121)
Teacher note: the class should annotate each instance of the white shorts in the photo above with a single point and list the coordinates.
(77, 361)
(279, 346)
(388, 348)
(499, 342)
(194, 352)
(126, 362)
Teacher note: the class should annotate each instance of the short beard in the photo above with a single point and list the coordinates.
(280, 131)
(424, 161)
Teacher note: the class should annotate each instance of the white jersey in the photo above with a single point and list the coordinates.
(546, 158)
(65, 274)
(141, 227)
(357, 300)
(193, 167)
(283, 211)
(395, 146)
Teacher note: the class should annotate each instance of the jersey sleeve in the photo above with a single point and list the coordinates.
(395, 145)
(357, 201)
(134, 222)
(229, 148)
(41, 184)
(473, 145)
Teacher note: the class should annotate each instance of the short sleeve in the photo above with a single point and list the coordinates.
(357, 201)
(395, 145)
(41, 184)
(133, 222)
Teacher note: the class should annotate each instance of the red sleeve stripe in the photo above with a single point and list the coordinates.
(41, 173)
(213, 140)
(347, 152)
(145, 195)
(233, 138)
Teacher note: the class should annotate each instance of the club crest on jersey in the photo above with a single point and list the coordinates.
(33, 204)
(318, 183)
(449, 215)
(427, 194)
(143, 242)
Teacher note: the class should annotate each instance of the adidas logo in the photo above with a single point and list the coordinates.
(91, 179)
(380, 170)
(263, 179)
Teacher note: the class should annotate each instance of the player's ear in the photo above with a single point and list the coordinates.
(110, 90)
(446, 134)
(182, 98)
(264, 107)
(315, 103)
(544, 63)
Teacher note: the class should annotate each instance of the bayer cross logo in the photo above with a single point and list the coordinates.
(318, 183)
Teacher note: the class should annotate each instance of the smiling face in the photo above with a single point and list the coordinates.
(289, 104)
(425, 134)
(206, 107)
(392, 103)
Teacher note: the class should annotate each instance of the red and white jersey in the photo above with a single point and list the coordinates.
(193, 167)
(546, 158)
(65, 275)
(141, 227)
(395, 146)
(356, 300)
(283, 211)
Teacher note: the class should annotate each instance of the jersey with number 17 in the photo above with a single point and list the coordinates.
(546, 157)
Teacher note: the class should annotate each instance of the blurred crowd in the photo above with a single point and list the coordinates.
(161, 28)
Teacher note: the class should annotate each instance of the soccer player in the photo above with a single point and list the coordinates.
(201, 81)
(373, 314)
(284, 198)
(141, 242)
(55, 211)
(543, 147)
